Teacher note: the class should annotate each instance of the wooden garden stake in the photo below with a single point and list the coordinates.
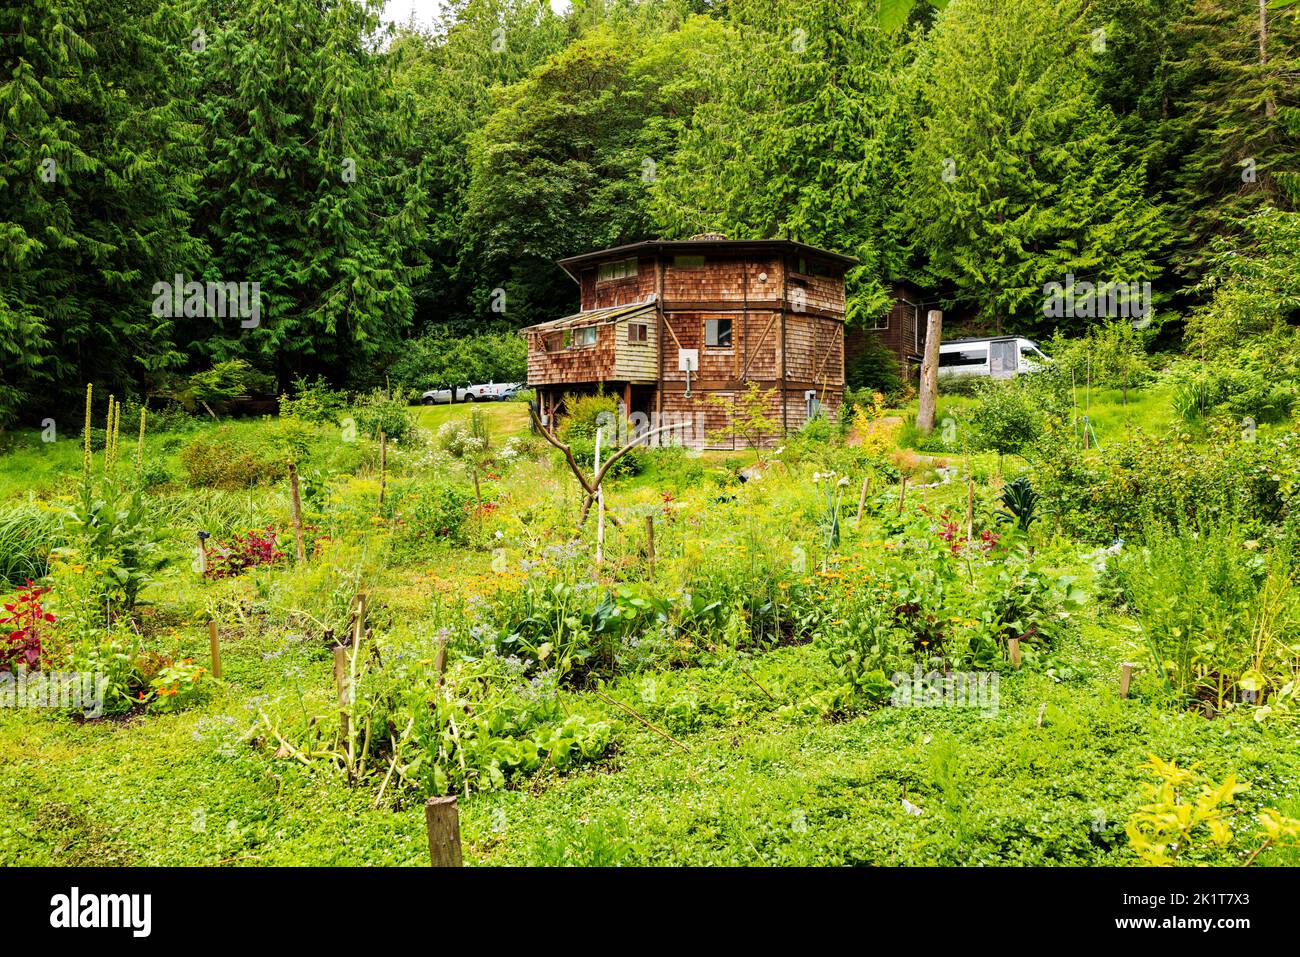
(1125, 677)
(440, 660)
(295, 500)
(1013, 651)
(341, 683)
(216, 650)
(650, 543)
(383, 465)
(442, 819)
(862, 499)
(902, 492)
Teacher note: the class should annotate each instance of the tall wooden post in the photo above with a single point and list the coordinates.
(442, 819)
(929, 372)
(1125, 678)
(862, 499)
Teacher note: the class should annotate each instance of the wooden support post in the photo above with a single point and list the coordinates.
(862, 499)
(383, 465)
(650, 543)
(1125, 677)
(216, 649)
(295, 502)
(928, 398)
(341, 683)
(1013, 651)
(442, 819)
(902, 493)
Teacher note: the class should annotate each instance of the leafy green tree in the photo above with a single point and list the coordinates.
(95, 161)
(309, 190)
(1018, 178)
(478, 45)
(1239, 122)
(565, 161)
(802, 137)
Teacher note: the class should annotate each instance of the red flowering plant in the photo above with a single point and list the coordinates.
(949, 530)
(25, 620)
(242, 552)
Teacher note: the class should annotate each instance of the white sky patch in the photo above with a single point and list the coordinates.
(426, 12)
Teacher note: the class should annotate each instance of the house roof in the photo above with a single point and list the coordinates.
(596, 316)
(572, 264)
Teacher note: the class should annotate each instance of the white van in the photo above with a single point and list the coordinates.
(1000, 357)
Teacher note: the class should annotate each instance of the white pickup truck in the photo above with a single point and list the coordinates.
(489, 392)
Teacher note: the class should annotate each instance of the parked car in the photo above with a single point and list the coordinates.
(488, 392)
(998, 357)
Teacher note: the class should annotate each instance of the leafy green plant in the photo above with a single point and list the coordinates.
(1019, 504)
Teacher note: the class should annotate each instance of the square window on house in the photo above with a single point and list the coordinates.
(685, 262)
(880, 322)
(638, 332)
(717, 332)
(622, 269)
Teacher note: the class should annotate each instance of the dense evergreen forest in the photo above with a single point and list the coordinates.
(400, 196)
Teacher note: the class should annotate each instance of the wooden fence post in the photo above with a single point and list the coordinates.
(1125, 677)
(216, 650)
(442, 819)
(295, 500)
(1013, 651)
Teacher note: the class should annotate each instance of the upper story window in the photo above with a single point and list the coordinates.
(688, 262)
(622, 269)
(638, 332)
(880, 322)
(717, 332)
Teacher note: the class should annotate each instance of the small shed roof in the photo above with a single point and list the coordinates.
(596, 316)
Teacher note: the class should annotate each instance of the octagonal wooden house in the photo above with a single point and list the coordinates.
(676, 330)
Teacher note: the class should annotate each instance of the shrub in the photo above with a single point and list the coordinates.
(875, 370)
(221, 459)
(27, 533)
(379, 412)
(314, 401)
(1010, 416)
